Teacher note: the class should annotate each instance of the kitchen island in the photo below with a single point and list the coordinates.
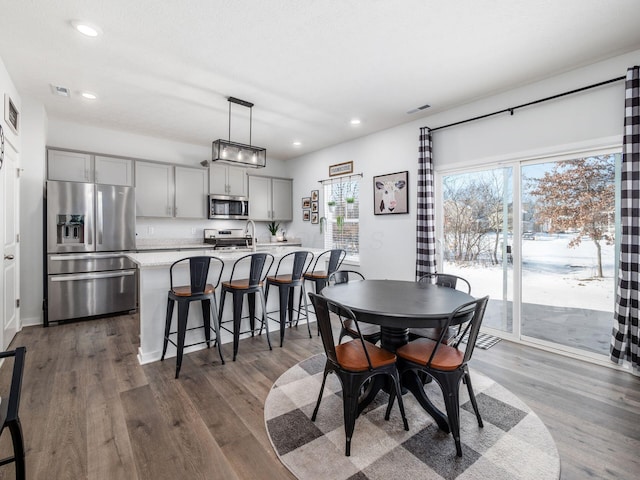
(153, 285)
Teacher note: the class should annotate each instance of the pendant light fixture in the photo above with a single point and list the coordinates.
(234, 152)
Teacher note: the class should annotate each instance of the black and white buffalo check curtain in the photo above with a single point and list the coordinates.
(625, 341)
(426, 226)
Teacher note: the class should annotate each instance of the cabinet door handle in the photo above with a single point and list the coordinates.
(9, 257)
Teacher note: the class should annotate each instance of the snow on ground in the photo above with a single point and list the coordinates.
(552, 274)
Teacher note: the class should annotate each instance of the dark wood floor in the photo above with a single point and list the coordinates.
(89, 410)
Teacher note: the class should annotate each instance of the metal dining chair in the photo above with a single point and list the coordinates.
(443, 280)
(371, 333)
(354, 362)
(447, 364)
(9, 407)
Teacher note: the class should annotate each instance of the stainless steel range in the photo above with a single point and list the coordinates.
(229, 239)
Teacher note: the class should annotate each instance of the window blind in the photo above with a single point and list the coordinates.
(342, 214)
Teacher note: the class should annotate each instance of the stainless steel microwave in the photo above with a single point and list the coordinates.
(227, 206)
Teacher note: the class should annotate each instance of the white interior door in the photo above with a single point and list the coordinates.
(9, 180)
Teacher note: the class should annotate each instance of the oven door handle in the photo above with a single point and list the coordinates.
(91, 276)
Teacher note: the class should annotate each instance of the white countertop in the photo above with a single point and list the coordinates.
(166, 258)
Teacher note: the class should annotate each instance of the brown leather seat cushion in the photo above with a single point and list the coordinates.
(351, 356)
(242, 284)
(281, 278)
(185, 291)
(316, 274)
(446, 357)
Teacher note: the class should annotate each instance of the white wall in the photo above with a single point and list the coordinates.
(586, 120)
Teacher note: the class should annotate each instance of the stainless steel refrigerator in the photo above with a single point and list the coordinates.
(88, 227)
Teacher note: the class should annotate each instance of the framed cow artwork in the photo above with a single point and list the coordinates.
(391, 193)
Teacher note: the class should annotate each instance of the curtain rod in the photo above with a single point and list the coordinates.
(340, 177)
(512, 109)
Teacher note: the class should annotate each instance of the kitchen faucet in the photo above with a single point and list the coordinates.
(253, 234)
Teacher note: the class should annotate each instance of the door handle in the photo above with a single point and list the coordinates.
(9, 257)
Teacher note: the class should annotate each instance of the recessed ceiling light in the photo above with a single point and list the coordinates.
(86, 28)
(89, 95)
(355, 121)
(297, 144)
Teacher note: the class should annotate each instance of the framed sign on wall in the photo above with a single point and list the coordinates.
(340, 169)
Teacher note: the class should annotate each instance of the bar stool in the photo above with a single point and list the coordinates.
(197, 290)
(286, 284)
(320, 277)
(249, 286)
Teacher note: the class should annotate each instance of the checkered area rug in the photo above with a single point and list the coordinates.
(514, 443)
(484, 340)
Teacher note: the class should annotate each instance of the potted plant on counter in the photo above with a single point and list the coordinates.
(273, 228)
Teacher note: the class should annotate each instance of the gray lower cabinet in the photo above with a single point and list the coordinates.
(270, 198)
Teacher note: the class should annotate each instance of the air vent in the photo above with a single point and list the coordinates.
(423, 107)
(62, 91)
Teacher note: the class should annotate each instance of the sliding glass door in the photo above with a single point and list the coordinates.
(477, 238)
(568, 251)
(550, 275)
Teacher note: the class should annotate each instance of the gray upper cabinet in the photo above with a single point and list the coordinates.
(154, 189)
(270, 198)
(191, 192)
(282, 198)
(69, 166)
(85, 167)
(114, 171)
(227, 180)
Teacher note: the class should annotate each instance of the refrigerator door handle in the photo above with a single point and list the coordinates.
(99, 218)
(91, 276)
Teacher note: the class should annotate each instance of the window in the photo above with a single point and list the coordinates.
(342, 214)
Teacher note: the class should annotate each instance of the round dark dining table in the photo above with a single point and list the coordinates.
(396, 306)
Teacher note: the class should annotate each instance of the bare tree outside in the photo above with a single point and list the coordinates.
(578, 196)
(474, 216)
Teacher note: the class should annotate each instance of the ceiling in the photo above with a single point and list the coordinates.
(165, 68)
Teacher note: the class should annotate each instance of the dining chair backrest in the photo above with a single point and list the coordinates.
(259, 267)
(342, 276)
(473, 314)
(446, 280)
(323, 307)
(198, 272)
(301, 261)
